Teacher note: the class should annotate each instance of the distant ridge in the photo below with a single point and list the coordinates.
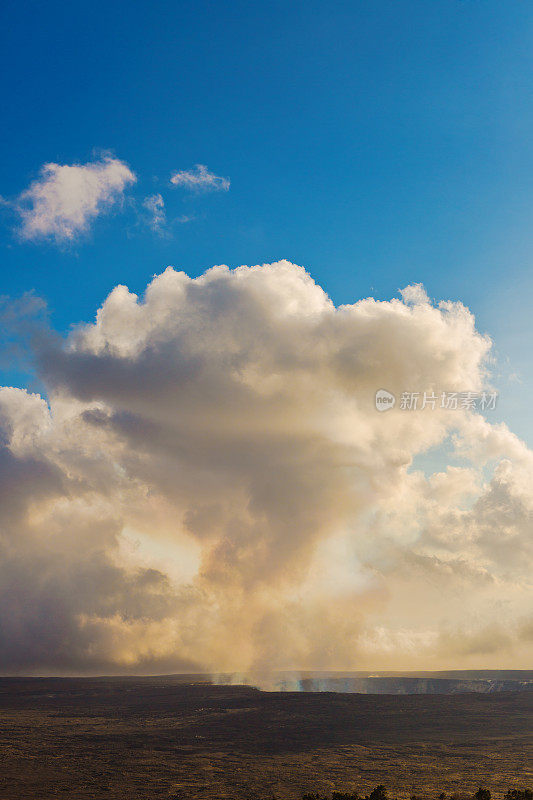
(442, 682)
(354, 682)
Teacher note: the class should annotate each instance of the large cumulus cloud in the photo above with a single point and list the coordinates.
(210, 486)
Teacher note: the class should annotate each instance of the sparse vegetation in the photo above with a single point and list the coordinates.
(519, 794)
(381, 793)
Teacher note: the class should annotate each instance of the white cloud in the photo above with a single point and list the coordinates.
(66, 198)
(227, 424)
(155, 206)
(200, 179)
(414, 294)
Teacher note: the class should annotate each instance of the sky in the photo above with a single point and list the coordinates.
(356, 147)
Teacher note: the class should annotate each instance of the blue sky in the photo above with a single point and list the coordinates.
(375, 143)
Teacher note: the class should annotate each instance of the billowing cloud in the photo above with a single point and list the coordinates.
(63, 202)
(211, 486)
(200, 179)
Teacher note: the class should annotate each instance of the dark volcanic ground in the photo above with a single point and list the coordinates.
(145, 738)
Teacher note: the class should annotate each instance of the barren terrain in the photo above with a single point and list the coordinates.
(140, 738)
